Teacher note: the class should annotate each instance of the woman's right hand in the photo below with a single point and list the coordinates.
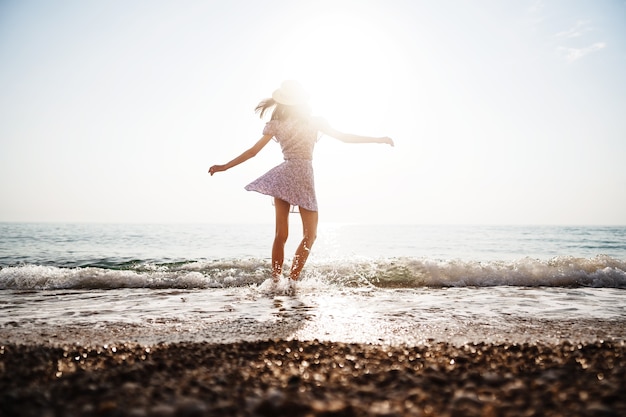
(387, 140)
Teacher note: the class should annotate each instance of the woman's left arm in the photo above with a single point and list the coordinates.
(247, 154)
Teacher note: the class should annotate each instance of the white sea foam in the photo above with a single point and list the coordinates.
(600, 271)
(363, 283)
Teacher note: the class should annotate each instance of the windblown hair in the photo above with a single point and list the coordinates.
(281, 111)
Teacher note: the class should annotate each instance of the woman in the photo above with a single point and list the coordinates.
(291, 183)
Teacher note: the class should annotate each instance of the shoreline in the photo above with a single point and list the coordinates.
(320, 357)
(454, 331)
(313, 378)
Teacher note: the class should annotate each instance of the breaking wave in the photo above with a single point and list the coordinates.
(599, 272)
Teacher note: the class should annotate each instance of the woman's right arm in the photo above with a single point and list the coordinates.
(350, 138)
(247, 154)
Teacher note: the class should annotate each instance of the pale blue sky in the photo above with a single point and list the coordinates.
(502, 112)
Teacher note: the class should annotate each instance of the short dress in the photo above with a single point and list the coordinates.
(293, 180)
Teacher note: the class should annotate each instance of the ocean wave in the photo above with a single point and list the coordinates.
(600, 271)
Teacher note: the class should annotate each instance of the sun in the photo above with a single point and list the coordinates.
(351, 66)
(361, 78)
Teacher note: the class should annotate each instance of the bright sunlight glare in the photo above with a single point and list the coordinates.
(349, 64)
(356, 69)
(500, 113)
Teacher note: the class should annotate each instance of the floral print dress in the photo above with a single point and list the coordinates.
(291, 181)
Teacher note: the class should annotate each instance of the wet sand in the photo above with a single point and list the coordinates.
(315, 364)
(456, 329)
(313, 378)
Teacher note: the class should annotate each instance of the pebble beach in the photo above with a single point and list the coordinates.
(297, 378)
(106, 320)
(315, 378)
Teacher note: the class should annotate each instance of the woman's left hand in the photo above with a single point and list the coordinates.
(216, 168)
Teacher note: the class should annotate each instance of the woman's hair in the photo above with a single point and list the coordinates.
(281, 111)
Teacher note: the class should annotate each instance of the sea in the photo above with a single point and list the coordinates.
(363, 283)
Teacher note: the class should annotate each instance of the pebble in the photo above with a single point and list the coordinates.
(313, 378)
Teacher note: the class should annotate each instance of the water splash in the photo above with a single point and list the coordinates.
(599, 271)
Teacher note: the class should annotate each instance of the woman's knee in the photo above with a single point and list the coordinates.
(282, 232)
(282, 222)
(310, 235)
(309, 238)
(281, 236)
(309, 232)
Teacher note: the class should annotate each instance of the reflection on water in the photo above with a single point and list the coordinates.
(314, 311)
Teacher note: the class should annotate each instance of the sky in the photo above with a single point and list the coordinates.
(501, 112)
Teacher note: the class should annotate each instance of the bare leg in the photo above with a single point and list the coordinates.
(282, 231)
(309, 233)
